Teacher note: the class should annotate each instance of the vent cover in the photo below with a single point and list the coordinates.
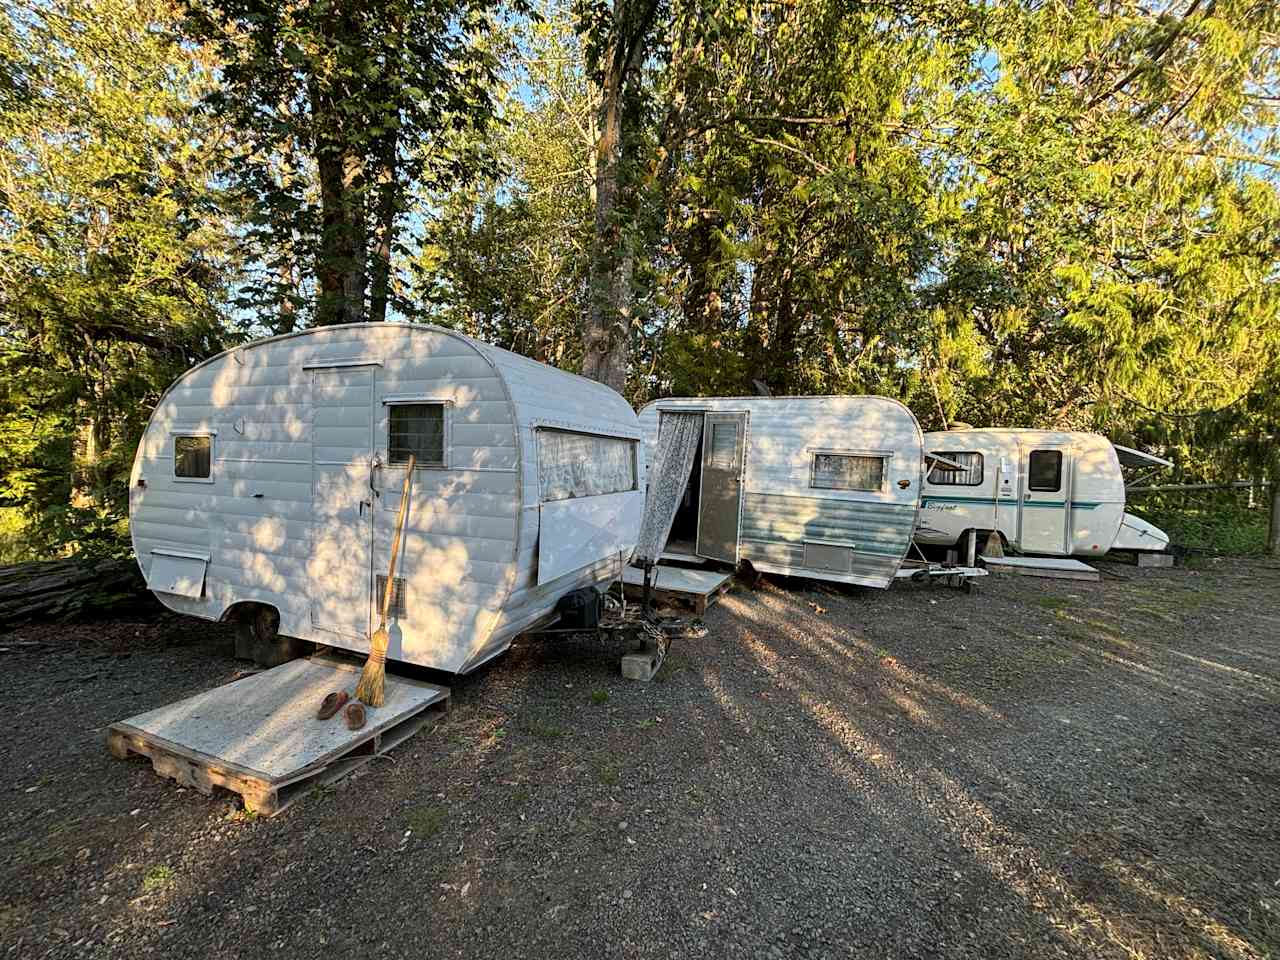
(396, 609)
(827, 556)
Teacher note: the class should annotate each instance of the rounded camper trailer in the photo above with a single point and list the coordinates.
(823, 487)
(267, 484)
(1045, 492)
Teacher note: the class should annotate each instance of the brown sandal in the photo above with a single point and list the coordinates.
(331, 704)
(355, 715)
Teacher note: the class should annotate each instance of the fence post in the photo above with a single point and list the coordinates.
(1273, 531)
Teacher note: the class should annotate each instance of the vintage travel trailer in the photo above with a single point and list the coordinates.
(1060, 494)
(267, 483)
(822, 487)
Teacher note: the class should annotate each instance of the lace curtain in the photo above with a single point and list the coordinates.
(582, 465)
(678, 437)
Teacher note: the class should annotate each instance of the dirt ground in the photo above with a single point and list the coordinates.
(1049, 769)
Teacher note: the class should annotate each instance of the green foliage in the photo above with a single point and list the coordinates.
(1218, 522)
(114, 255)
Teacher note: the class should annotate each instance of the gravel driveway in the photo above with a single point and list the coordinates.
(1050, 769)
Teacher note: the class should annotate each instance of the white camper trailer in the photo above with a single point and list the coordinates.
(1059, 494)
(269, 478)
(823, 487)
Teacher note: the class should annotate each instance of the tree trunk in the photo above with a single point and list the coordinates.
(606, 336)
(384, 230)
(340, 263)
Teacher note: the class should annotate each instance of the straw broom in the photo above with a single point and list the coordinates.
(373, 677)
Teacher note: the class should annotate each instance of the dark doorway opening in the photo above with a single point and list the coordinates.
(684, 528)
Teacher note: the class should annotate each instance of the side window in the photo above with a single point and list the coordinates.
(193, 457)
(839, 471)
(418, 429)
(970, 474)
(1044, 471)
(574, 464)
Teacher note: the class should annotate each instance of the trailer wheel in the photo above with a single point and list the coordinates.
(920, 576)
(258, 637)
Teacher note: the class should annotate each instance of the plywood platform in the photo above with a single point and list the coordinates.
(259, 737)
(701, 588)
(1058, 568)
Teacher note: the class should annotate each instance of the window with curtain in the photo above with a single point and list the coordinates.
(418, 429)
(970, 474)
(583, 464)
(843, 471)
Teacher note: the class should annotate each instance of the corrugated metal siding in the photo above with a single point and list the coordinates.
(774, 529)
(780, 508)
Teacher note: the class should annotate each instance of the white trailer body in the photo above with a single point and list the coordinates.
(1046, 492)
(822, 487)
(272, 474)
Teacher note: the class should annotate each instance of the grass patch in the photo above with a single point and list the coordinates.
(520, 796)
(543, 729)
(599, 697)
(1215, 522)
(157, 878)
(608, 775)
(1053, 603)
(426, 821)
(673, 663)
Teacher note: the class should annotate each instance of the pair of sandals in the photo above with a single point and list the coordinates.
(354, 713)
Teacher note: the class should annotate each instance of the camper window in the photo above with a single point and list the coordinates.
(193, 457)
(418, 429)
(584, 465)
(839, 471)
(944, 476)
(1044, 471)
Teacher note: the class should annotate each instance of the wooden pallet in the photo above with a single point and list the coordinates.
(259, 737)
(680, 585)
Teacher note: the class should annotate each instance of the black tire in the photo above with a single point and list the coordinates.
(258, 637)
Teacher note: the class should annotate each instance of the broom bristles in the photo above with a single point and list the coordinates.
(373, 678)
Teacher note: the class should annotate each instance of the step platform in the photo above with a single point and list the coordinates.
(1056, 568)
(259, 736)
(699, 588)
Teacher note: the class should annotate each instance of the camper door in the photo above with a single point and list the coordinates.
(720, 497)
(1046, 500)
(338, 570)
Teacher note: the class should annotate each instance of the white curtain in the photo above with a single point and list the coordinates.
(678, 437)
(582, 465)
(847, 472)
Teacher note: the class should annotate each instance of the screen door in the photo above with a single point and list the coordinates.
(338, 570)
(721, 494)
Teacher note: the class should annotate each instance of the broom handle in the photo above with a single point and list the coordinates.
(395, 543)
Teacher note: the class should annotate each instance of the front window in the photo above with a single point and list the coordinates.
(969, 473)
(844, 471)
(574, 464)
(193, 458)
(418, 429)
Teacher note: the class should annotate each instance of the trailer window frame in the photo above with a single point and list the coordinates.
(398, 456)
(555, 495)
(952, 455)
(1038, 486)
(881, 455)
(207, 435)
